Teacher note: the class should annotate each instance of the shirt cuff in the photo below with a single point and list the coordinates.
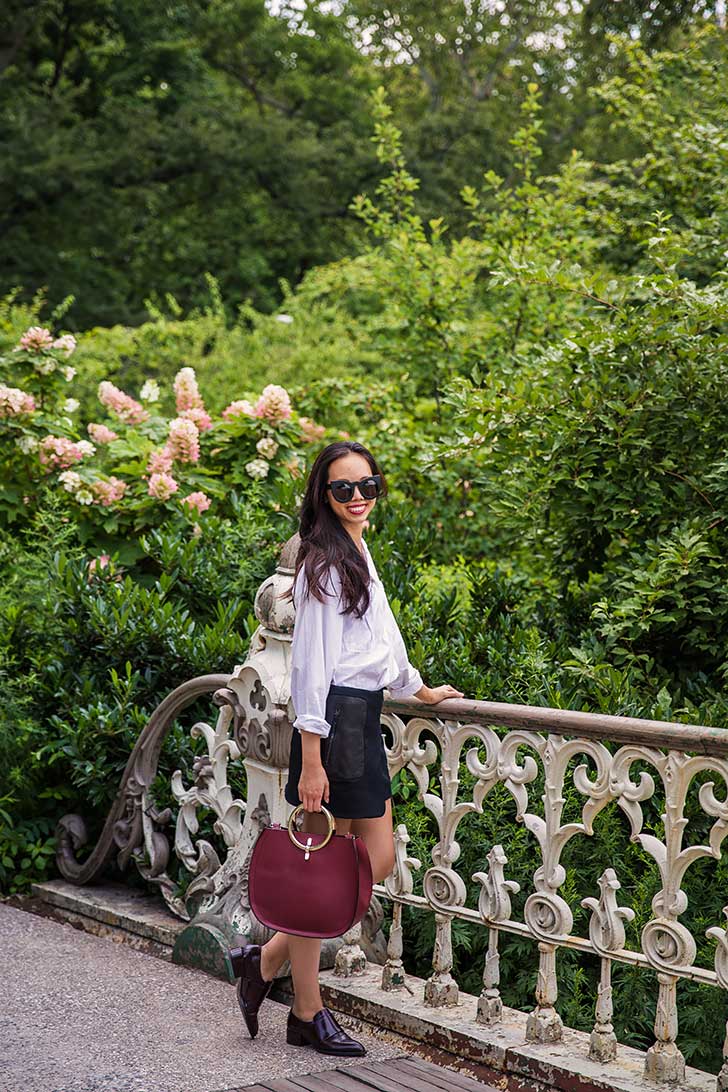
(409, 688)
(311, 724)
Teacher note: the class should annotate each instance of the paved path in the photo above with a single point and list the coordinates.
(80, 1013)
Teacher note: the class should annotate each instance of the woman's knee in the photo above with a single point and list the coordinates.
(382, 862)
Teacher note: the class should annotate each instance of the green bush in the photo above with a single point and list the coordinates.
(88, 652)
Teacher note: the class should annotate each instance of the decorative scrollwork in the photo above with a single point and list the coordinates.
(444, 889)
(263, 730)
(124, 830)
(677, 772)
(668, 945)
(548, 917)
(210, 791)
(205, 867)
(397, 754)
(555, 753)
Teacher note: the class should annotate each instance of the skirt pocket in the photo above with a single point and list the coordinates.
(344, 750)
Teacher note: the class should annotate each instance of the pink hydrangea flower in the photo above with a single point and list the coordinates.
(241, 408)
(200, 416)
(184, 440)
(66, 342)
(126, 408)
(274, 403)
(36, 338)
(57, 452)
(13, 402)
(162, 486)
(108, 492)
(311, 431)
(101, 434)
(199, 500)
(186, 392)
(160, 461)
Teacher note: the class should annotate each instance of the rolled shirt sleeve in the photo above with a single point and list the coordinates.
(408, 679)
(315, 652)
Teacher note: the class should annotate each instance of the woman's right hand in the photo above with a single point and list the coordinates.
(313, 786)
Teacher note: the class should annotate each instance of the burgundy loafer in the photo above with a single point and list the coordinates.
(252, 987)
(324, 1034)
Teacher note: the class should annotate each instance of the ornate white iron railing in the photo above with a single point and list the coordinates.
(546, 741)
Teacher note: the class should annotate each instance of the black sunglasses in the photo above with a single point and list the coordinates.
(342, 490)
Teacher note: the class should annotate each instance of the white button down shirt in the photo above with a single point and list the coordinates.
(330, 647)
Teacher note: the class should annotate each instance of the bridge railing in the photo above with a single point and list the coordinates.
(459, 753)
(601, 761)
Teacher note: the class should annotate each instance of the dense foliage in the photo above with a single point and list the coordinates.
(545, 390)
(146, 145)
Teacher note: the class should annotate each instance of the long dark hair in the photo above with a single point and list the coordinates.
(324, 541)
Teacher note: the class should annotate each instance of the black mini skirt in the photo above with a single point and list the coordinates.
(353, 755)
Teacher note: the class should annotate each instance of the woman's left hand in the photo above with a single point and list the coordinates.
(434, 694)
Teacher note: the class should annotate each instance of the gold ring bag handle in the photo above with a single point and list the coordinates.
(309, 848)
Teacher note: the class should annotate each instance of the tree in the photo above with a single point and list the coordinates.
(147, 146)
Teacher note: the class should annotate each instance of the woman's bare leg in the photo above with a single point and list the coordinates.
(378, 837)
(273, 954)
(305, 956)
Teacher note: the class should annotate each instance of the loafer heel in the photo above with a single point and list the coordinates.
(324, 1034)
(236, 959)
(294, 1037)
(252, 987)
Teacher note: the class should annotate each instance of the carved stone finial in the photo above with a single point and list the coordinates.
(273, 612)
(494, 903)
(606, 926)
(721, 971)
(721, 952)
(400, 879)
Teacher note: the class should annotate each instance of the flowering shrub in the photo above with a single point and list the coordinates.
(13, 402)
(238, 409)
(37, 338)
(138, 468)
(57, 451)
(162, 486)
(198, 501)
(121, 405)
(101, 434)
(273, 404)
(257, 468)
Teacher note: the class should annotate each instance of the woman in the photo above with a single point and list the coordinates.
(346, 644)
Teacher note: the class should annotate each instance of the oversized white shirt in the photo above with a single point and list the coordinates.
(330, 647)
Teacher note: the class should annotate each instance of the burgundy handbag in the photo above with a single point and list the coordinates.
(317, 887)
